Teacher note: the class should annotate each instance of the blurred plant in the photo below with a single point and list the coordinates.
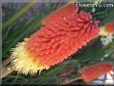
(107, 32)
(92, 72)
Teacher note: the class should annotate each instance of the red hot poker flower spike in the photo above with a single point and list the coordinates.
(107, 29)
(61, 36)
(92, 72)
(110, 27)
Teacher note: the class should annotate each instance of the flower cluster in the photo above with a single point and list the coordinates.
(64, 32)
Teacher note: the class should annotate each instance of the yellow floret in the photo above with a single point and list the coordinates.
(22, 61)
(102, 31)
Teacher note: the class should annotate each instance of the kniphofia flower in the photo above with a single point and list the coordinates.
(108, 28)
(107, 31)
(64, 32)
(92, 72)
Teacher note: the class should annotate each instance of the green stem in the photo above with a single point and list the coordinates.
(18, 14)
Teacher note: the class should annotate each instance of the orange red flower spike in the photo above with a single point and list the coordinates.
(107, 28)
(64, 33)
(92, 72)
